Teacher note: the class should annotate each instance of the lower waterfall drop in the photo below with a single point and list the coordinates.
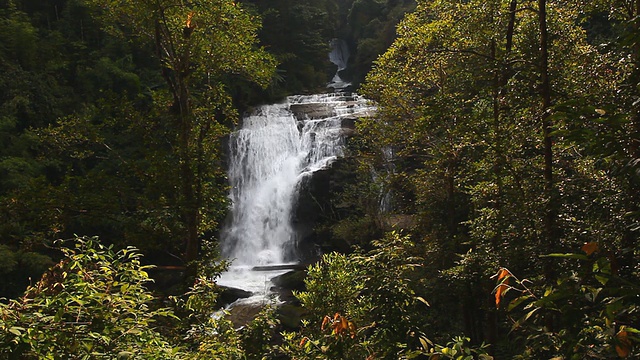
(274, 150)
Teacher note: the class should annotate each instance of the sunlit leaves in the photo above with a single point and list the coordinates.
(372, 290)
(93, 301)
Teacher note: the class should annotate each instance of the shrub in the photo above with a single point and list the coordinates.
(92, 304)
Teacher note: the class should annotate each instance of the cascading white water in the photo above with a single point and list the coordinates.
(277, 146)
(339, 56)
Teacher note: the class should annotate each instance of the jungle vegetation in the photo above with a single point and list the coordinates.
(506, 147)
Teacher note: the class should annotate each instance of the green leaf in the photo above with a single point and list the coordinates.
(517, 301)
(16, 330)
(602, 279)
(125, 354)
(529, 314)
(422, 300)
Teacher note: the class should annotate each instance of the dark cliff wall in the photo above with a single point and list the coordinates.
(318, 208)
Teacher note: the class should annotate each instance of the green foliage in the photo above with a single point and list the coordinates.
(370, 306)
(91, 143)
(373, 24)
(258, 336)
(367, 303)
(298, 34)
(587, 313)
(93, 303)
(201, 47)
(458, 349)
(461, 107)
(18, 37)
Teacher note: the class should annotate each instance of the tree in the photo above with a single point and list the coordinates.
(201, 46)
(466, 96)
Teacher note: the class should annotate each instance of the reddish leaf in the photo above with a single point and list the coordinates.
(501, 289)
(623, 346)
(344, 324)
(325, 321)
(590, 248)
(503, 273)
(189, 18)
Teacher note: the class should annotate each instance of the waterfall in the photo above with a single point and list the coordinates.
(275, 149)
(339, 56)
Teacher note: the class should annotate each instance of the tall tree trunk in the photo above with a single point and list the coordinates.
(189, 204)
(502, 73)
(177, 78)
(545, 94)
(189, 176)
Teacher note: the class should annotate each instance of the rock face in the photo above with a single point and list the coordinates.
(311, 111)
(319, 206)
(285, 284)
(241, 314)
(230, 295)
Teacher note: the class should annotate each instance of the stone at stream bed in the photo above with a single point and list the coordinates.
(312, 111)
(240, 314)
(286, 283)
(278, 267)
(293, 280)
(230, 295)
(288, 311)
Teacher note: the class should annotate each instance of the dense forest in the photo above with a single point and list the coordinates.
(502, 223)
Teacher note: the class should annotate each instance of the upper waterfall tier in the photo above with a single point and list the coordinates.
(339, 56)
(276, 147)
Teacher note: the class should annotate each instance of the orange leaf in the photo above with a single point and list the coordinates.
(336, 317)
(503, 279)
(503, 273)
(623, 347)
(303, 341)
(325, 321)
(590, 248)
(344, 325)
(189, 18)
(352, 329)
(502, 288)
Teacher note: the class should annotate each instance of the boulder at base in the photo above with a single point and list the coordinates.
(230, 295)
